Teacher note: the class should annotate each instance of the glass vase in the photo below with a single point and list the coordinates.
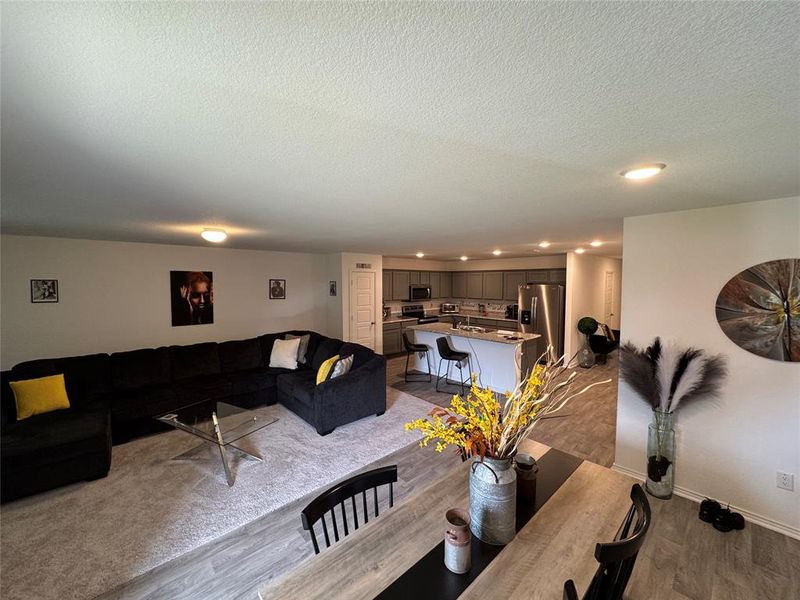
(660, 455)
(586, 357)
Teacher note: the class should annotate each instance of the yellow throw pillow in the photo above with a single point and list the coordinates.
(325, 369)
(38, 396)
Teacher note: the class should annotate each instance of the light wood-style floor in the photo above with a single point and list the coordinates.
(683, 558)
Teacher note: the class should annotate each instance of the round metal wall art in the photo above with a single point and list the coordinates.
(759, 309)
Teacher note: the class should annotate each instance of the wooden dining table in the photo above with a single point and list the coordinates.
(400, 553)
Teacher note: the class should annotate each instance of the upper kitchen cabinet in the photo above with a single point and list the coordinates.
(511, 282)
(558, 276)
(413, 277)
(446, 283)
(400, 283)
(459, 287)
(492, 285)
(387, 285)
(425, 277)
(435, 283)
(537, 277)
(475, 285)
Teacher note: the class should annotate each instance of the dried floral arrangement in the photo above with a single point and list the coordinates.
(481, 425)
(666, 376)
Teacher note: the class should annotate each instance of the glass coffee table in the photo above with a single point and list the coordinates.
(220, 424)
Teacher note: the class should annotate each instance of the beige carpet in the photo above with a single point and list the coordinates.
(82, 540)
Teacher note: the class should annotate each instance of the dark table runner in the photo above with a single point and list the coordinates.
(429, 578)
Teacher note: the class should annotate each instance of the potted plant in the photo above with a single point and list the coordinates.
(666, 378)
(489, 427)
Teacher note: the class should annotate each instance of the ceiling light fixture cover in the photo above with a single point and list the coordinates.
(644, 171)
(420, 254)
(544, 244)
(497, 252)
(579, 250)
(465, 258)
(596, 244)
(214, 235)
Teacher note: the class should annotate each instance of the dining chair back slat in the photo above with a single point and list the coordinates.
(326, 502)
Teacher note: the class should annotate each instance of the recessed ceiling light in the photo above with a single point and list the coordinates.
(544, 244)
(644, 171)
(579, 250)
(420, 254)
(465, 258)
(214, 235)
(497, 252)
(596, 243)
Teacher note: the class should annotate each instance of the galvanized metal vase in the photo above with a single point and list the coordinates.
(493, 500)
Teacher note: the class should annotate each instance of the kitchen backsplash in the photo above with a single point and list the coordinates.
(495, 309)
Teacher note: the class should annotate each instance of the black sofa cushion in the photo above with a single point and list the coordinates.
(88, 378)
(194, 361)
(203, 387)
(327, 347)
(140, 368)
(147, 401)
(52, 437)
(252, 381)
(361, 354)
(288, 380)
(33, 369)
(240, 355)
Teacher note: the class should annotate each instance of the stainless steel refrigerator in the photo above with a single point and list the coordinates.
(541, 310)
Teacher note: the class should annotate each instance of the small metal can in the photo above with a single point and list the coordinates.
(457, 541)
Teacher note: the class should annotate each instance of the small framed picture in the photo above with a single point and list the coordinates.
(277, 289)
(44, 290)
(332, 288)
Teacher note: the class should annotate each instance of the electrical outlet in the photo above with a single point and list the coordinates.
(786, 481)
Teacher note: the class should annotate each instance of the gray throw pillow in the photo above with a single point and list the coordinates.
(303, 348)
(342, 366)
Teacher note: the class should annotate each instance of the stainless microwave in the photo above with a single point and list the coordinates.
(419, 292)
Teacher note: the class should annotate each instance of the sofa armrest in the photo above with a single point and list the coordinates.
(352, 396)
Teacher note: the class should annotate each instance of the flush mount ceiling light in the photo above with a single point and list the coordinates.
(465, 258)
(596, 244)
(579, 250)
(644, 171)
(214, 235)
(544, 244)
(497, 252)
(420, 254)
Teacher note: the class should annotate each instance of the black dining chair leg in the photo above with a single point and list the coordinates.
(461, 377)
(405, 375)
(438, 377)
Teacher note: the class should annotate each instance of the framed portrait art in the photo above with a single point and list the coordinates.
(44, 291)
(277, 289)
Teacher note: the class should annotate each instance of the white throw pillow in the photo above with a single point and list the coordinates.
(342, 366)
(284, 354)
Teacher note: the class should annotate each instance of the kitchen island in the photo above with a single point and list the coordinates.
(499, 358)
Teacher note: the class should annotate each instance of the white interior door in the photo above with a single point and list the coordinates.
(608, 300)
(362, 308)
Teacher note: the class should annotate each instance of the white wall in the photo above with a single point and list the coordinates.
(115, 295)
(674, 266)
(586, 278)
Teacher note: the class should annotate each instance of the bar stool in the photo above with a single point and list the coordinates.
(412, 349)
(451, 356)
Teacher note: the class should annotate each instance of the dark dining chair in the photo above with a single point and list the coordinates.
(446, 353)
(326, 503)
(618, 557)
(411, 349)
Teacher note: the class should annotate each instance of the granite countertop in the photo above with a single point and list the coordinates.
(489, 336)
(398, 319)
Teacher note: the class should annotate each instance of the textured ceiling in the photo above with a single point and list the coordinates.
(444, 127)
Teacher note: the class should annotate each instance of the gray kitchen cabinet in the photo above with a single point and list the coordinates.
(557, 276)
(511, 282)
(413, 277)
(446, 283)
(400, 283)
(537, 277)
(459, 287)
(387, 285)
(425, 277)
(392, 338)
(493, 285)
(435, 283)
(475, 285)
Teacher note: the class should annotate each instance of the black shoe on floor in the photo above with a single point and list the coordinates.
(709, 509)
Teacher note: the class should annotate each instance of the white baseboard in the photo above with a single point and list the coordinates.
(792, 532)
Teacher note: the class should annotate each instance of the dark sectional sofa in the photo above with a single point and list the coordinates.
(115, 397)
